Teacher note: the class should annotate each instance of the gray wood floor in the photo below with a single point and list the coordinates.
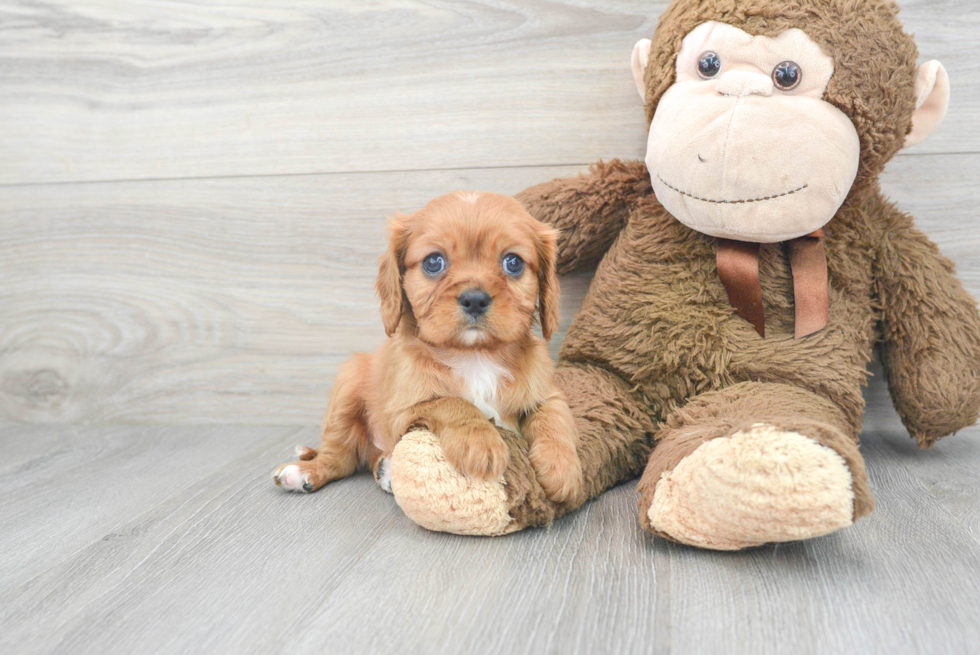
(174, 540)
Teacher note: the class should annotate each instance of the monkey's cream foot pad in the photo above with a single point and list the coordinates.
(435, 495)
(758, 486)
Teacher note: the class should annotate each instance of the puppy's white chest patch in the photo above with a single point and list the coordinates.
(481, 377)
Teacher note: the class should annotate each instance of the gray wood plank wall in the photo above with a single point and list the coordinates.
(192, 197)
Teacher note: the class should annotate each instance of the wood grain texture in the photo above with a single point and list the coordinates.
(203, 554)
(234, 300)
(97, 90)
(198, 300)
(111, 475)
(192, 200)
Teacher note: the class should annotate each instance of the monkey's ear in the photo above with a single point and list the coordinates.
(549, 292)
(931, 101)
(641, 55)
(390, 274)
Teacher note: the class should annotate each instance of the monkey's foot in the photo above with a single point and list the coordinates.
(435, 495)
(757, 486)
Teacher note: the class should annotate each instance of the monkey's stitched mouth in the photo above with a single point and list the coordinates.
(730, 202)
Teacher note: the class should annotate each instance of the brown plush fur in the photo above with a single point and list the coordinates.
(657, 359)
(418, 377)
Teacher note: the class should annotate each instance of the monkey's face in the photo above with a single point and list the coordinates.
(743, 146)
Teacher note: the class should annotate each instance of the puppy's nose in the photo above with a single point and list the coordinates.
(474, 302)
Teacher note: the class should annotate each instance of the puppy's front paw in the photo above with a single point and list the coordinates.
(559, 471)
(476, 449)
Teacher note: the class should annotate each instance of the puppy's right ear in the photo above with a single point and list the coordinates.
(391, 269)
(549, 292)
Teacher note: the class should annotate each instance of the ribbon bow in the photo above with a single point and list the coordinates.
(738, 268)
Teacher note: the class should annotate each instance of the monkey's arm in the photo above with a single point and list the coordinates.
(589, 210)
(931, 333)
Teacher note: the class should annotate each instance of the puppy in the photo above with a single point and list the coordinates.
(459, 286)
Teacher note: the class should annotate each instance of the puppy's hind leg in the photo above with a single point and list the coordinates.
(345, 439)
(334, 459)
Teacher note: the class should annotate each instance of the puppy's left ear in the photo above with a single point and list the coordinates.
(391, 271)
(549, 293)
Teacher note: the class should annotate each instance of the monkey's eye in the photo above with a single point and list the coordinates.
(787, 75)
(709, 65)
(513, 265)
(434, 264)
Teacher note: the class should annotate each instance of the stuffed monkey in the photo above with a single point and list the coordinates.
(746, 272)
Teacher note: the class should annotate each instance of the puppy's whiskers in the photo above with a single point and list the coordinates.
(427, 305)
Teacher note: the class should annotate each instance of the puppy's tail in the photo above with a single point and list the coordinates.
(305, 453)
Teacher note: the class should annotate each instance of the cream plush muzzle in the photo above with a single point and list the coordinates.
(751, 162)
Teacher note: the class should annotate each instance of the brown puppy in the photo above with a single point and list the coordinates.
(459, 286)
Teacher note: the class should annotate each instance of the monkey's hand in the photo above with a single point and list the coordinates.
(589, 210)
(931, 334)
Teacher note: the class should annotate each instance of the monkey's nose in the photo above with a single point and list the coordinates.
(743, 83)
(474, 302)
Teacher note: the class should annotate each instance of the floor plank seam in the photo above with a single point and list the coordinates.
(248, 176)
(380, 171)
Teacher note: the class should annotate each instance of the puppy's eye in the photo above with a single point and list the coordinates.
(787, 75)
(709, 65)
(513, 265)
(434, 264)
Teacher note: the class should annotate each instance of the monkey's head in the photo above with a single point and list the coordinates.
(765, 115)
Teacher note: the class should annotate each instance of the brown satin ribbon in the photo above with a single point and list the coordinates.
(738, 268)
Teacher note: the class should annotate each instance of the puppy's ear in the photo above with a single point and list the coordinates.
(549, 292)
(391, 269)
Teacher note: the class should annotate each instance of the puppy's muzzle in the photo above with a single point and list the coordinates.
(474, 302)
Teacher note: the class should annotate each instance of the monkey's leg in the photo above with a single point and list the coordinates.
(614, 444)
(751, 464)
